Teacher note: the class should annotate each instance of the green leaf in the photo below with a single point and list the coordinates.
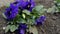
(30, 21)
(39, 10)
(53, 9)
(4, 15)
(22, 20)
(11, 22)
(58, 5)
(23, 16)
(38, 7)
(13, 28)
(58, 1)
(17, 18)
(33, 17)
(34, 13)
(33, 30)
(8, 4)
(26, 12)
(7, 28)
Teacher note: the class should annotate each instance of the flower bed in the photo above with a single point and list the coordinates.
(11, 13)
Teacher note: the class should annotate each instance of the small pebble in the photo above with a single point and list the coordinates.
(4, 28)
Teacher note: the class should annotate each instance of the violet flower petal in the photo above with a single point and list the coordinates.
(40, 20)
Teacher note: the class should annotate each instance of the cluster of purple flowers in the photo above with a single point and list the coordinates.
(12, 11)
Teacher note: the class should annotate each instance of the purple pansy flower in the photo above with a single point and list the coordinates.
(22, 31)
(22, 28)
(21, 3)
(31, 4)
(40, 20)
(11, 12)
(28, 4)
